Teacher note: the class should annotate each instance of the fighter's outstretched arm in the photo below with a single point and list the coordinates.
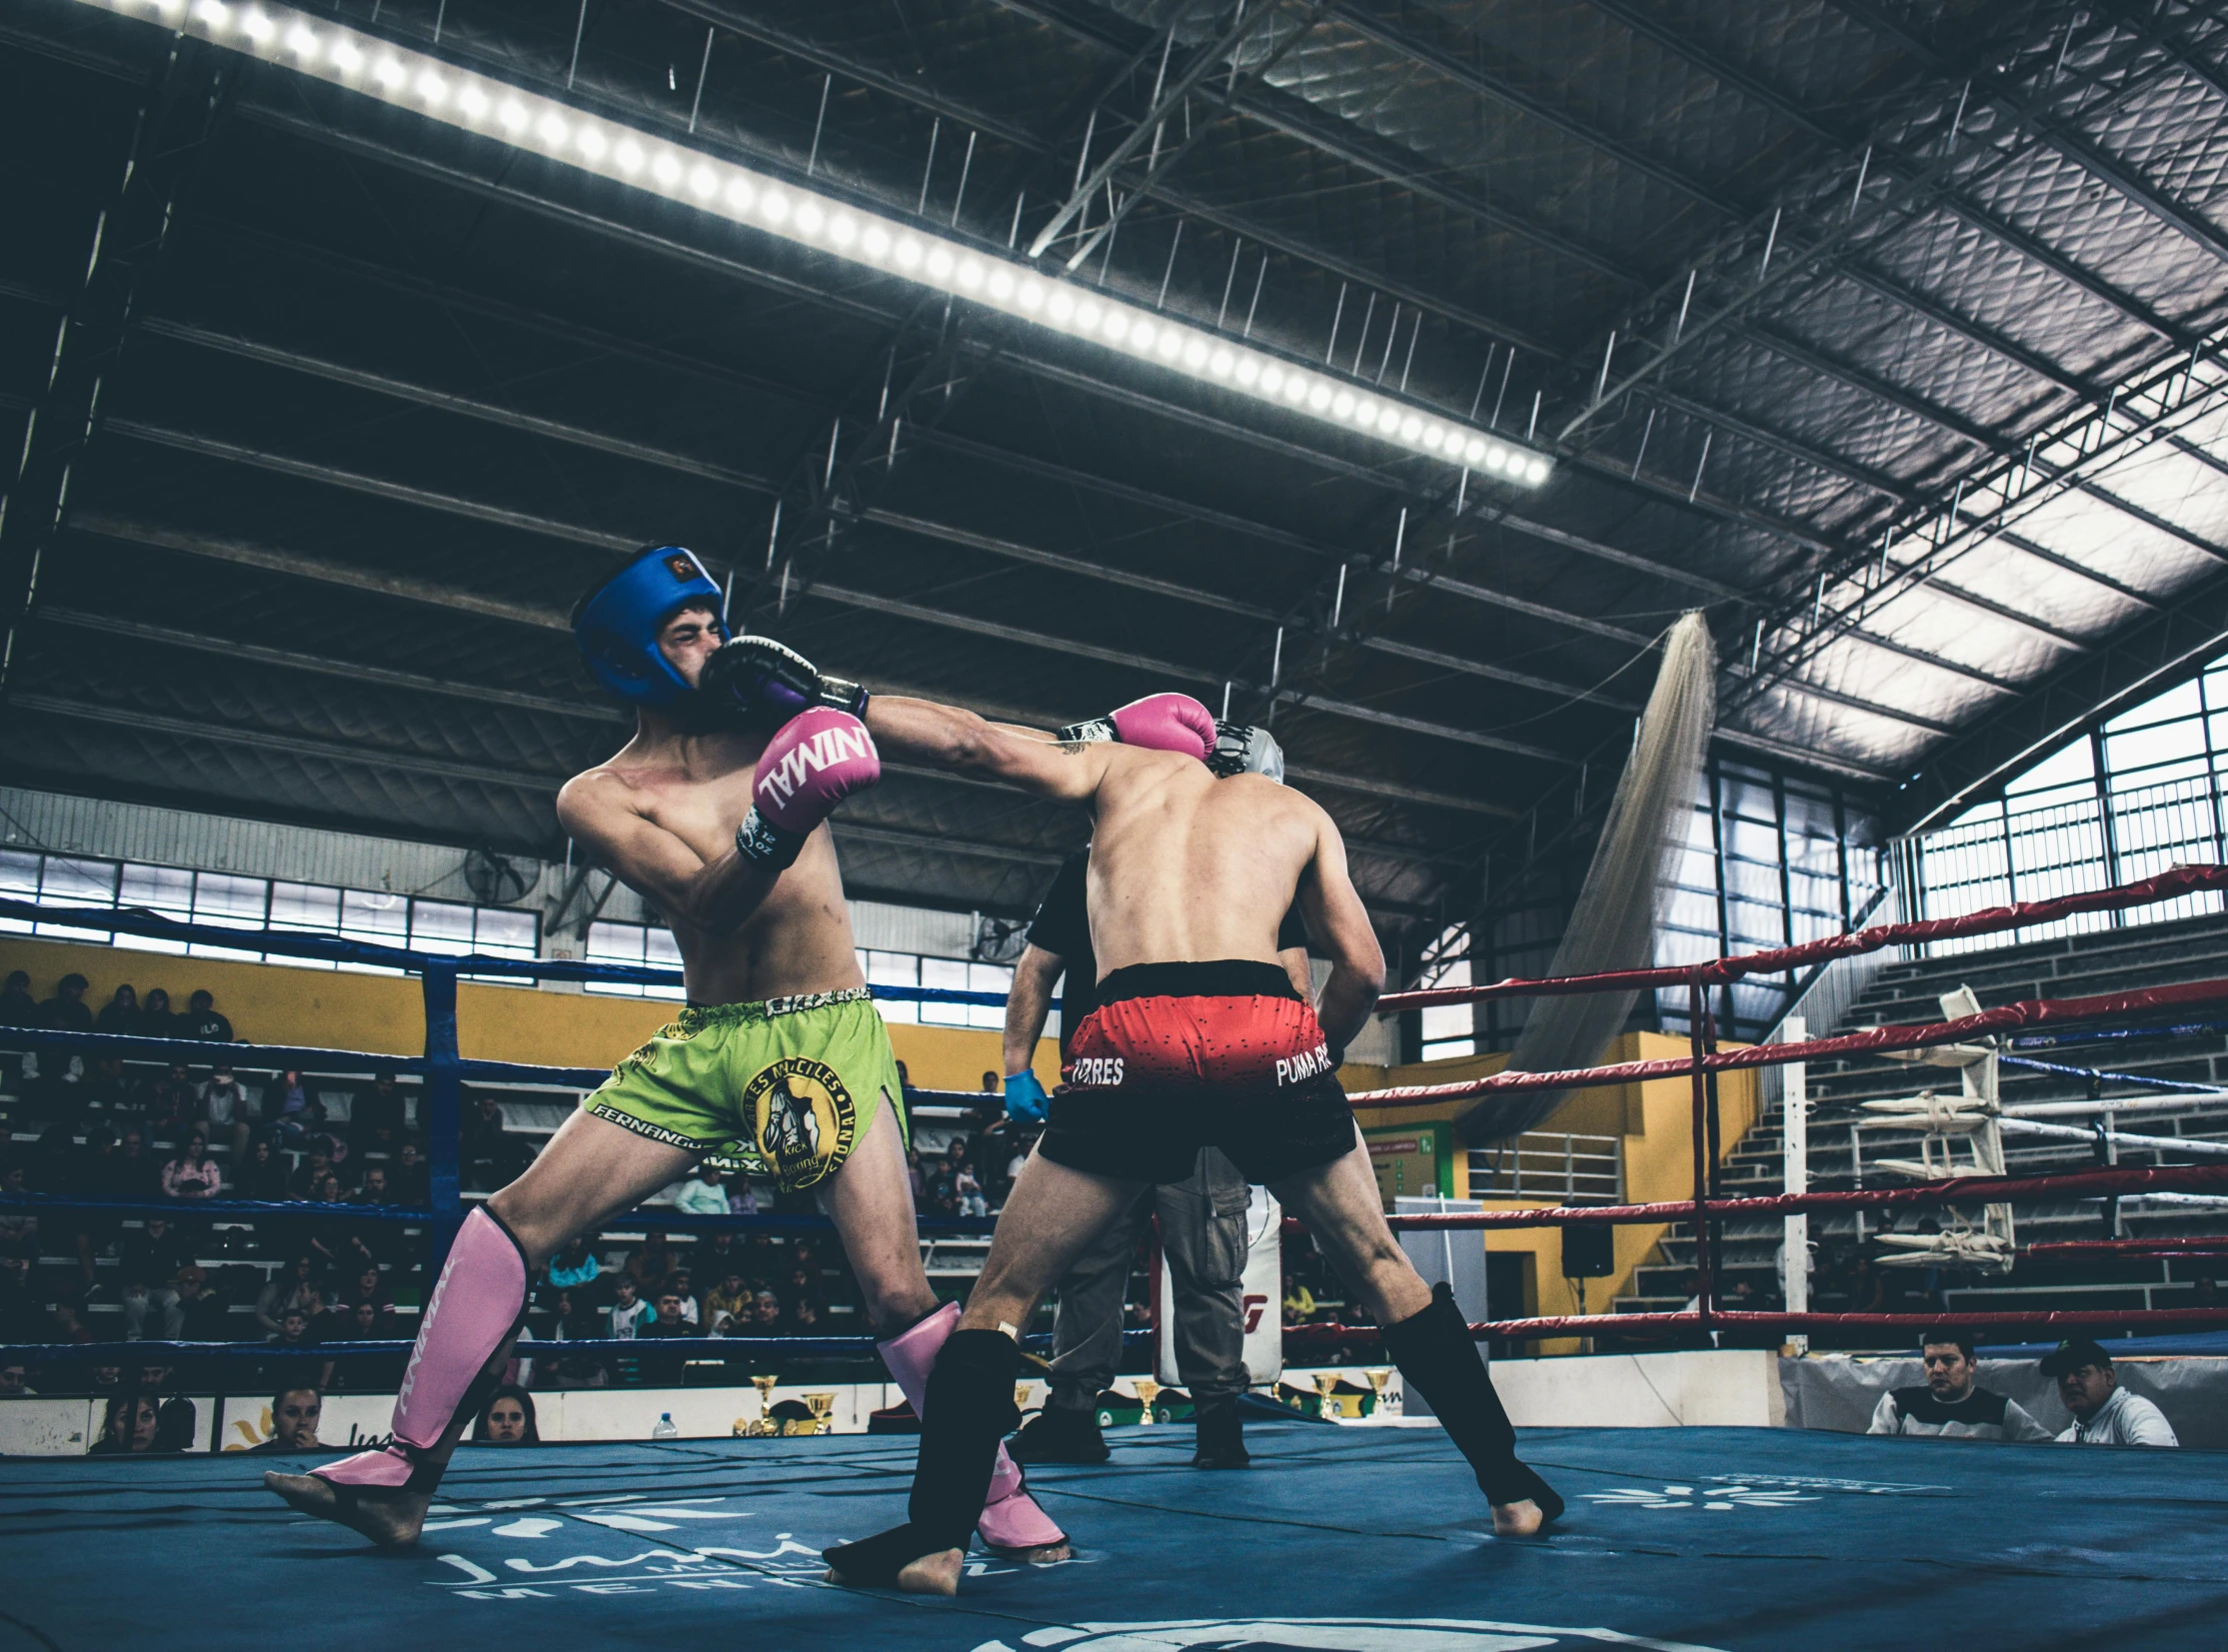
(1339, 924)
(712, 896)
(921, 730)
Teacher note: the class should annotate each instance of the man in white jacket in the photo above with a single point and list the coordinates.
(2104, 1413)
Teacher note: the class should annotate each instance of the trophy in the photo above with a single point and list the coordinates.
(765, 1424)
(1326, 1406)
(822, 1408)
(1146, 1388)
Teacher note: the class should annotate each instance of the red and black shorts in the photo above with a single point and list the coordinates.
(1179, 1057)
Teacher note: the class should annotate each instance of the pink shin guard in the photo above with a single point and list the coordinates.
(475, 1304)
(1010, 1517)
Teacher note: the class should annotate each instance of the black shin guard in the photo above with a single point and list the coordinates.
(970, 1408)
(1436, 1354)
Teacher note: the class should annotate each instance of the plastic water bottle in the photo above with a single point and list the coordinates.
(664, 1429)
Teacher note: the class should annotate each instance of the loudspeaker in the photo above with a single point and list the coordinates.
(1589, 1252)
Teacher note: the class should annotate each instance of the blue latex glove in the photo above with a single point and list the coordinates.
(1024, 1099)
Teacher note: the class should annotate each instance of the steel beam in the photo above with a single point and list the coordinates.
(326, 665)
(467, 407)
(2143, 659)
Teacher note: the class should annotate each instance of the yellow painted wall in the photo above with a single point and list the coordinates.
(1654, 1119)
(338, 1010)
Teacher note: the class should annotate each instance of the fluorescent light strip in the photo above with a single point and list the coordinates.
(477, 103)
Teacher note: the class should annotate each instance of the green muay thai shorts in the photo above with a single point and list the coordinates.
(785, 1088)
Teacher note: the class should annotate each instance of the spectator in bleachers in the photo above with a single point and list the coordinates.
(104, 1091)
(290, 1109)
(202, 1020)
(968, 1192)
(295, 1328)
(410, 1175)
(1299, 1301)
(64, 1325)
(576, 1266)
(805, 1319)
(226, 1109)
(375, 1115)
(508, 1418)
(654, 1258)
(15, 1380)
(155, 1017)
(729, 1299)
(703, 1194)
(17, 1006)
(627, 1309)
(1951, 1403)
(489, 1154)
(22, 1315)
(19, 1228)
(137, 1174)
(205, 1312)
(67, 1010)
(121, 1012)
(681, 1283)
(370, 1286)
(148, 1269)
(766, 1318)
(193, 1174)
(294, 1417)
(293, 1286)
(670, 1318)
(315, 1165)
(2104, 1413)
(262, 1174)
(170, 1103)
(128, 1429)
(716, 1252)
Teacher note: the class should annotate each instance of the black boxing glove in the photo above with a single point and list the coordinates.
(763, 683)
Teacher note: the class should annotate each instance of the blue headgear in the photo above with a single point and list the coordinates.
(618, 622)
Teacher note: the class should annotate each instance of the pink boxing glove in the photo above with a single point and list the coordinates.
(813, 761)
(1159, 722)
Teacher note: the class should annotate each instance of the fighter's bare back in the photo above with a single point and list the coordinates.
(1189, 867)
(658, 815)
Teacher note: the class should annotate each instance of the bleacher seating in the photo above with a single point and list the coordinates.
(1908, 993)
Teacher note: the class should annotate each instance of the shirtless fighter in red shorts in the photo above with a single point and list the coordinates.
(1199, 1040)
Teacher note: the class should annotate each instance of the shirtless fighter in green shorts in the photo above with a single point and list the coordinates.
(714, 812)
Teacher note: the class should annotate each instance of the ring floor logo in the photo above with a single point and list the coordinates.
(1724, 1493)
(668, 1550)
(1302, 1634)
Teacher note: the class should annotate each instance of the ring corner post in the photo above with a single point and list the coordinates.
(1696, 1012)
(443, 1110)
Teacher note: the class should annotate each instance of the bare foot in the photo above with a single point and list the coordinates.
(1518, 1519)
(931, 1574)
(390, 1519)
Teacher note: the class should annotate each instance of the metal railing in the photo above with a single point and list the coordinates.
(1551, 1165)
(2061, 848)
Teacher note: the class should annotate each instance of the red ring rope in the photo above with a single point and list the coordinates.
(2167, 885)
(2033, 1013)
(1658, 1324)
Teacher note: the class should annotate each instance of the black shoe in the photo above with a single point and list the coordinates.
(1057, 1434)
(1221, 1436)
